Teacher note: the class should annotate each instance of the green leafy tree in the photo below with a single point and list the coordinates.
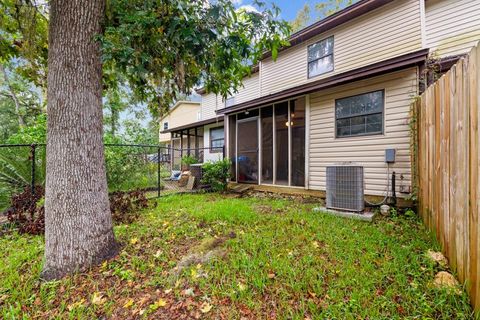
(302, 19)
(20, 101)
(23, 37)
(165, 49)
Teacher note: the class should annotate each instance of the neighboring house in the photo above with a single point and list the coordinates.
(182, 113)
(340, 93)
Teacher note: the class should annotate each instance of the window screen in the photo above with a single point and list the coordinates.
(359, 115)
(320, 57)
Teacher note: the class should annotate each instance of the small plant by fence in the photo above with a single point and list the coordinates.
(150, 168)
(447, 163)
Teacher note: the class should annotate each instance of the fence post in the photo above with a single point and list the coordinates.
(32, 157)
(158, 172)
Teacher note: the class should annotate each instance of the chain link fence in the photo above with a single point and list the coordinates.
(154, 169)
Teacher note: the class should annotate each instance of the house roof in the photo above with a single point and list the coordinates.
(177, 104)
(201, 123)
(253, 69)
(386, 66)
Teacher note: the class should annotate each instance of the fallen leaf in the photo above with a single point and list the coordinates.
(97, 298)
(241, 286)
(133, 240)
(315, 244)
(167, 291)
(205, 307)
(161, 302)
(188, 292)
(75, 305)
(128, 304)
(158, 254)
(271, 275)
(194, 274)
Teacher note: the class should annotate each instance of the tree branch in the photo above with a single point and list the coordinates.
(21, 121)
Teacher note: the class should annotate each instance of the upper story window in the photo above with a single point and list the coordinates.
(165, 125)
(320, 57)
(360, 115)
(229, 102)
(217, 139)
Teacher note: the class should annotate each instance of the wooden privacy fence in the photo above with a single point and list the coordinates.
(447, 166)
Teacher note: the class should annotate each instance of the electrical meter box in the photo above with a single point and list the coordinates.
(390, 155)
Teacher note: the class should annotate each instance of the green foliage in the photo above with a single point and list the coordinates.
(16, 163)
(302, 18)
(36, 132)
(327, 8)
(216, 174)
(24, 37)
(188, 160)
(20, 101)
(164, 49)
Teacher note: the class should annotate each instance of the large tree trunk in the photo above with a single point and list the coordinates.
(78, 225)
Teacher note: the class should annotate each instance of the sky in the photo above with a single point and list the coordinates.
(289, 8)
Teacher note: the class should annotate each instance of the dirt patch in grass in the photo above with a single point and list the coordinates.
(208, 249)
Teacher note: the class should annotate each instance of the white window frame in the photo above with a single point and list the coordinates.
(319, 58)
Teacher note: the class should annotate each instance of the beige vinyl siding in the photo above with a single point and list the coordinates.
(389, 31)
(184, 113)
(369, 151)
(250, 89)
(452, 26)
(210, 104)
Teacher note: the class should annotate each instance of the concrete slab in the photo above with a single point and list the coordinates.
(366, 216)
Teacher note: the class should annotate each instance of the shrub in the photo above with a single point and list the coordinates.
(125, 206)
(216, 174)
(188, 160)
(27, 211)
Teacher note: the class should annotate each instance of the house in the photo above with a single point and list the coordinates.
(340, 93)
(182, 113)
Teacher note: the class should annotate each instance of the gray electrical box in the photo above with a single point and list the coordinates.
(390, 155)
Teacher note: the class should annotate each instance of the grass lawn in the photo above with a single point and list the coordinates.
(270, 259)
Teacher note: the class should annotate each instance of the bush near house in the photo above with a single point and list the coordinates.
(216, 174)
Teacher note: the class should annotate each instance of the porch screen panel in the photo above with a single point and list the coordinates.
(281, 135)
(297, 124)
(248, 151)
(267, 144)
(199, 139)
(232, 145)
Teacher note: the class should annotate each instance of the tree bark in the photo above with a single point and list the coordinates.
(78, 223)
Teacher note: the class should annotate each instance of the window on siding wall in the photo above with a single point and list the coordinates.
(320, 57)
(217, 139)
(229, 102)
(360, 115)
(165, 126)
